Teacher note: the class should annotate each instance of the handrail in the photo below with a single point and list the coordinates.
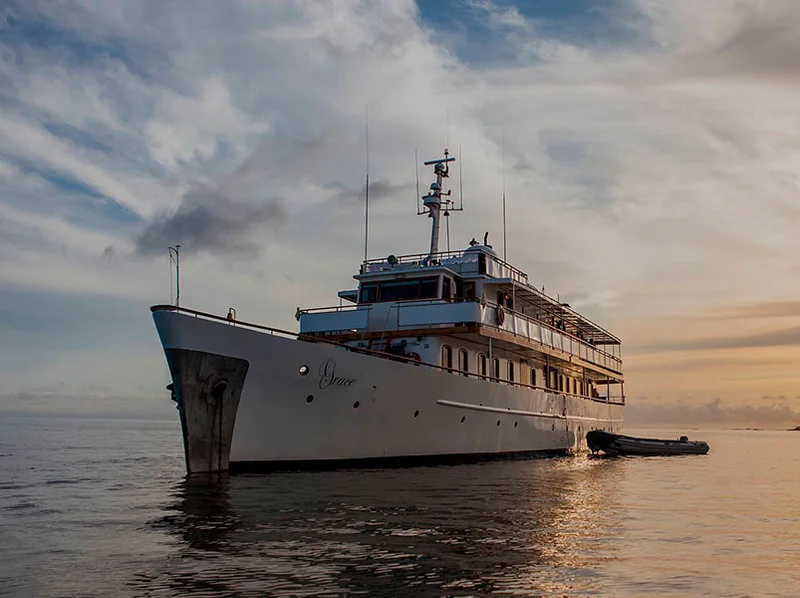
(552, 329)
(362, 350)
(368, 306)
(419, 257)
(334, 309)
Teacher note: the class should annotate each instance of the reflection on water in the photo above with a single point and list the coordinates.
(522, 527)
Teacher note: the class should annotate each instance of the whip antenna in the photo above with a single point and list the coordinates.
(366, 184)
(416, 170)
(503, 154)
(460, 181)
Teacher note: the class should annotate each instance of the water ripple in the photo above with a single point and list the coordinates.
(117, 517)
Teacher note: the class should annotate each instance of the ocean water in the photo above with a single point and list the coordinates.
(92, 507)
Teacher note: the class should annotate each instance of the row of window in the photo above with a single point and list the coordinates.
(412, 289)
(400, 290)
(555, 380)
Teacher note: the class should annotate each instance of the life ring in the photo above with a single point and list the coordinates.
(413, 356)
(500, 315)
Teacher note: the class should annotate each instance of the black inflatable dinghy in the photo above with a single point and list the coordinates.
(617, 444)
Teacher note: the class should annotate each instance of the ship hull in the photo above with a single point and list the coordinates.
(249, 399)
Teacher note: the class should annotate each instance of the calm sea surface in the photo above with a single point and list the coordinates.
(92, 507)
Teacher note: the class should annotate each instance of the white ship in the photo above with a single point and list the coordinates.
(439, 356)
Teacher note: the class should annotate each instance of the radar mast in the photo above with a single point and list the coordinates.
(437, 198)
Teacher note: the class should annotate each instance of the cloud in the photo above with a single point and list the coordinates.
(756, 41)
(498, 16)
(378, 191)
(773, 338)
(771, 309)
(56, 402)
(207, 220)
(652, 176)
(712, 413)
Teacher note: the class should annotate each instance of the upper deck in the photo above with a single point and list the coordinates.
(481, 263)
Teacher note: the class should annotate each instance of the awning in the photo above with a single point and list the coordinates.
(556, 314)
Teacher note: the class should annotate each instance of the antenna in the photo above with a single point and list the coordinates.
(175, 255)
(416, 169)
(171, 292)
(460, 181)
(503, 154)
(447, 130)
(366, 184)
(447, 227)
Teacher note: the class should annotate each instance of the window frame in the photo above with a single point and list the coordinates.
(447, 357)
(378, 284)
(463, 364)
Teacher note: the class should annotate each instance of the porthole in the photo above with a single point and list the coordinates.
(463, 419)
(515, 424)
(416, 413)
(356, 404)
(303, 371)
(554, 427)
(309, 398)
(498, 422)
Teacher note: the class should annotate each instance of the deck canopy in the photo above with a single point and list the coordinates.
(550, 311)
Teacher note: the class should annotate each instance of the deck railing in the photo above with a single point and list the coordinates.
(445, 259)
(585, 350)
(516, 323)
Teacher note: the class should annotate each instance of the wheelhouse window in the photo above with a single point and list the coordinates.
(446, 288)
(369, 292)
(399, 290)
(482, 365)
(447, 357)
(495, 368)
(428, 288)
(533, 376)
(463, 361)
(561, 383)
(510, 371)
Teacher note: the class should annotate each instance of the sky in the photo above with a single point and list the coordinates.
(649, 151)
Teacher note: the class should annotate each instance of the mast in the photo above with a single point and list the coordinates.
(366, 184)
(175, 256)
(433, 200)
